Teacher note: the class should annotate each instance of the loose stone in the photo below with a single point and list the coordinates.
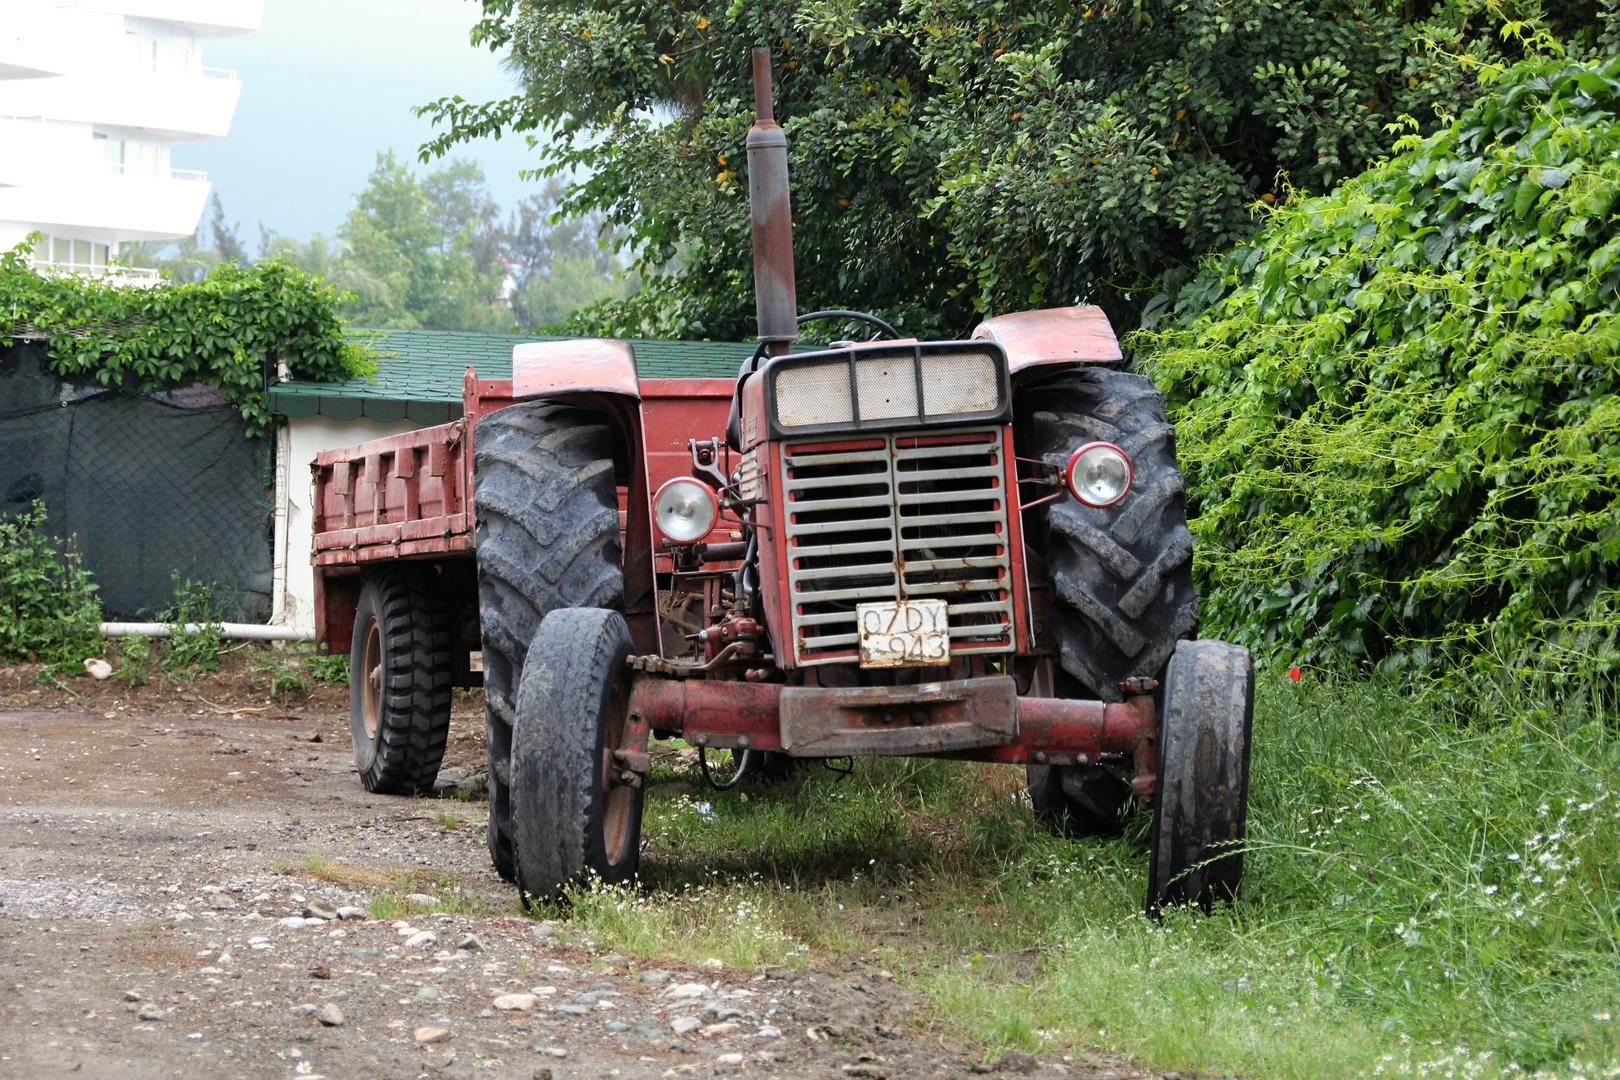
(330, 1015)
(516, 1002)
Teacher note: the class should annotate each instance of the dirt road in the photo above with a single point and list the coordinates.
(171, 894)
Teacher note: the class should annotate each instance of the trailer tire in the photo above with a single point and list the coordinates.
(1200, 810)
(399, 680)
(572, 820)
(548, 538)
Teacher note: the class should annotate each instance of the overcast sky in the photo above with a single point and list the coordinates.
(326, 85)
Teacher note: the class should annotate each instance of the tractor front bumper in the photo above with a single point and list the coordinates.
(974, 719)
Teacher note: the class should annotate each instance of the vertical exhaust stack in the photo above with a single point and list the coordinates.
(775, 298)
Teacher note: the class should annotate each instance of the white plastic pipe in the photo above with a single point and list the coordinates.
(245, 631)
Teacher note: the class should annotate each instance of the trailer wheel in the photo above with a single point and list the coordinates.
(1206, 711)
(548, 538)
(399, 680)
(572, 816)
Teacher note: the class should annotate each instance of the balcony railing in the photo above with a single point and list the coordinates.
(169, 67)
(159, 172)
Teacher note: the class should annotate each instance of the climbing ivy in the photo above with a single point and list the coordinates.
(1399, 405)
(228, 330)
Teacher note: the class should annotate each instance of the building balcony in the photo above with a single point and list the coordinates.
(148, 205)
(28, 48)
(205, 18)
(183, 104)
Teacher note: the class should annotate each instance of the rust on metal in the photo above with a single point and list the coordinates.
(775, 297)
(899, 720)
(907, 633)
(591, 365)
(1065, 335)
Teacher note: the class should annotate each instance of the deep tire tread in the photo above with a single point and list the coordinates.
(1121, 575)
(548, 538)
(413, 618)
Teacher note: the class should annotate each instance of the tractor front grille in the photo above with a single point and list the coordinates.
(902, 515)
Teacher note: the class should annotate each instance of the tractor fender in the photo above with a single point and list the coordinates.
(1053, 336)
(552, 369)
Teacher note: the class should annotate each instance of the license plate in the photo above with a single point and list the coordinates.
(904, 633)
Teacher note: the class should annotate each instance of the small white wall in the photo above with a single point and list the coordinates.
(298, 442)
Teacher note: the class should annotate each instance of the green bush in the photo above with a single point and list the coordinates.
(1398, 408)
(48, 606)
(329, 669)
(228, 331)
(197, 648)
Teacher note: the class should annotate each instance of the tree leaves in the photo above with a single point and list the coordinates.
(951, 158)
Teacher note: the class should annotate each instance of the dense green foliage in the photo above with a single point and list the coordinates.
(48, 607)
(228, 330)
(951, 158)
(1399, 422)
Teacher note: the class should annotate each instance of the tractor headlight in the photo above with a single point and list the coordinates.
(1099, 474)
(684, 510)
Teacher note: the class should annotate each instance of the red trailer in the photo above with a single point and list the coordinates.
(972, 549)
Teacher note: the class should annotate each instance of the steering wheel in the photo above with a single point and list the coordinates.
(860, 316)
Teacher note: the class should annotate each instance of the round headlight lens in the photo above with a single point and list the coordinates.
(684, 510)
(1099, 474)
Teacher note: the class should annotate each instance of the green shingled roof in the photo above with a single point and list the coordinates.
(419, 373)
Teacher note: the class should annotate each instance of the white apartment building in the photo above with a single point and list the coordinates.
(93, 93)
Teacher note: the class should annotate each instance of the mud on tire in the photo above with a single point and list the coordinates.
(399, 680)
(1122, 588)
(548, 538)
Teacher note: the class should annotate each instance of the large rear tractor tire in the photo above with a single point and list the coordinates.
(1122, 588)
(1200, 814)
(399, 680)
(548, 538)
(573, 819)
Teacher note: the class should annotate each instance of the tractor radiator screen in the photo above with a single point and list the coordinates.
(894, 516)
(865, 387)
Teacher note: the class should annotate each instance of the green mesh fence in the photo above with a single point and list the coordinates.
(144, 487)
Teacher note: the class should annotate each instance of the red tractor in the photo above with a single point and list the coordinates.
(961, 549)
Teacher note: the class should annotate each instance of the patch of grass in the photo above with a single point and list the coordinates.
(446, 819)
(198, 649)
(1431, 885)
(328, 669)
(317, 865)
(134, 654)
(450, 896)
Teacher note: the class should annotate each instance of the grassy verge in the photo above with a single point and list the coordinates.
(1430, 892)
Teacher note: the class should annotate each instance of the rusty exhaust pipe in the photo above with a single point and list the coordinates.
(775, 299)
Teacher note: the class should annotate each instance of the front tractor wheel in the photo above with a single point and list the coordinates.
(576, 808)
(399, 680)
(548, 538)
(1121, 575)
(1200, 807)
